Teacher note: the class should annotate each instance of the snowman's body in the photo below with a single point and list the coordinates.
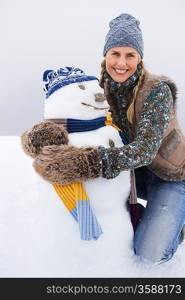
(77, 257)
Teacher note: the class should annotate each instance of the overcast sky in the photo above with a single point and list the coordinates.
(41, 34)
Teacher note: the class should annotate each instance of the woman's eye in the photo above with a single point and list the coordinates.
(81, 86)
(131, 55)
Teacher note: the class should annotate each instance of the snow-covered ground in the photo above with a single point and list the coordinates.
(30, 231)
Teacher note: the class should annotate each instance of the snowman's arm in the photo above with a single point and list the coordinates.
(43, 134)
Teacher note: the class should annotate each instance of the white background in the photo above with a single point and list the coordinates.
(42, 34)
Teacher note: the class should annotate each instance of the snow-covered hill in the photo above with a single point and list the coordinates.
(30, 231)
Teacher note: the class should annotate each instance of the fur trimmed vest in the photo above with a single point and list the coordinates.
(169, 163)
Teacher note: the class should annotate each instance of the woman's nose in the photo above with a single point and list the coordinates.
(121, 62)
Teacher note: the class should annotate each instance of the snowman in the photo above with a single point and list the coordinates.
(76, 113)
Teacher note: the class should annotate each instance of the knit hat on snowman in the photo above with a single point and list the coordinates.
(54, 80)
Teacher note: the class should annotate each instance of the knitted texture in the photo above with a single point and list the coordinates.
(138, 151)
(73, 195)
(63, 164)
(79, 125)
(124, 31)
(154, 120)
(54, 80)
(77, 202)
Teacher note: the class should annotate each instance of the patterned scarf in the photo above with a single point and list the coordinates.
(120, 90)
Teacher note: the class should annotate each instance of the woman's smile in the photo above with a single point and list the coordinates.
(120, 71)
(121, 62)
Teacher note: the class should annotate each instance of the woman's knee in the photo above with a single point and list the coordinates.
(153, 256)
(152, 251)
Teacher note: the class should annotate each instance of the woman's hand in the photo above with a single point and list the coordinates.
(43, 134)
(66, 164)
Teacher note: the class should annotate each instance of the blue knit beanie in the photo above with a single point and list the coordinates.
(54, 80)
(124, 31)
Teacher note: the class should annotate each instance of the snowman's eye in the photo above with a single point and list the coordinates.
(81, 86)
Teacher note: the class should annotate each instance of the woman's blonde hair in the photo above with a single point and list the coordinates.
(131, 108)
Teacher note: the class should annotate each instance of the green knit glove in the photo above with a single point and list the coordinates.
(109, 158)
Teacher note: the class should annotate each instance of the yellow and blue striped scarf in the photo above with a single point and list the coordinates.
(74, 195)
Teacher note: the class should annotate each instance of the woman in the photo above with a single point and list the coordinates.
(144, 107)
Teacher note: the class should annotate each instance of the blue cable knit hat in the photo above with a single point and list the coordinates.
(54, 80)
(124, 31)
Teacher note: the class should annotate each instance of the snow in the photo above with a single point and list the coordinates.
(31, 234)
(39, 238)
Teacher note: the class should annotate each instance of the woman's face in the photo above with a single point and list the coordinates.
(121, 62)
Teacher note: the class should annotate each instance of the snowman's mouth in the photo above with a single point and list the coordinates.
(98, 108)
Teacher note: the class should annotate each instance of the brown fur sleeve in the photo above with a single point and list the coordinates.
(66, 164)
(43, 134)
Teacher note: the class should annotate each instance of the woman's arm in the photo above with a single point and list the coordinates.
(64, 164)
(43, 134)
(154, 121)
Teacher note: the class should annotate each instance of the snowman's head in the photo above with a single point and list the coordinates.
(70, 93)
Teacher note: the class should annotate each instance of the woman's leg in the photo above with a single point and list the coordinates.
(159, 231)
